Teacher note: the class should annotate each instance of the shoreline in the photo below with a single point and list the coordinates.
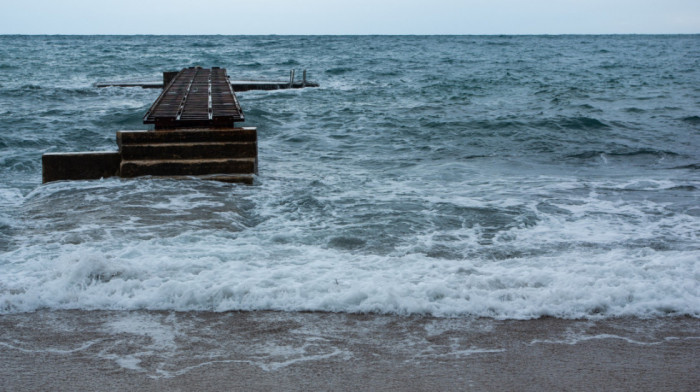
(263, 350)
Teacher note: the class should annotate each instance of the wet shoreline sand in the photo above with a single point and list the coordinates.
(154, 350)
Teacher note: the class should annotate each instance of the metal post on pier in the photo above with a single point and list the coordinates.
(303, 83)
(291, 78)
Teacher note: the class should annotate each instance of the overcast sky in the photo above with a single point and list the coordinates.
(349, 16)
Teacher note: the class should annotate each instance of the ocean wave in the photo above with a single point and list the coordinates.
(689, 188)
(289, 63)
(695, 120)
(206, 44)
(253, 64)
(50, 92)
(623, 153)
(339, 70)
(692, 166)
(584, 285)
(325, 247)
(576, 123)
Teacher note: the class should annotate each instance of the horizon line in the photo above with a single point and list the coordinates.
(349, 34)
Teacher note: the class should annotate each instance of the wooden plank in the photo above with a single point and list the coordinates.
(236, 85)
(196, 97)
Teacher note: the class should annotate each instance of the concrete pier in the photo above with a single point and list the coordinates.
(194, 136)
(222, 154)
(230, 153)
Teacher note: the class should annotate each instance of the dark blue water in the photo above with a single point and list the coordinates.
(504, 176)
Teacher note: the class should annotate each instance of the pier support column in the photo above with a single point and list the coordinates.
(79, 165)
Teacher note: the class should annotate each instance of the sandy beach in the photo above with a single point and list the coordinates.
(256, 351)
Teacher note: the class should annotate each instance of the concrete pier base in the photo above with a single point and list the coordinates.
(223, 154)
(80, 165)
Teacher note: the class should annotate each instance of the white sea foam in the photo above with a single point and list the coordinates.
(224, 274)
(10, 198)
(584, 257)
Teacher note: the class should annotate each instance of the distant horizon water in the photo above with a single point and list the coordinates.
(350, 35)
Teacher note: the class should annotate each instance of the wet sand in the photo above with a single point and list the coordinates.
(142, 350)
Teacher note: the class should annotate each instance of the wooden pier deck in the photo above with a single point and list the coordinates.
(196, 97)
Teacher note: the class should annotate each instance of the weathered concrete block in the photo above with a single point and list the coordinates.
(79, 165)
(187, 167)
(202, 150)
(224, 154)
(194, 135)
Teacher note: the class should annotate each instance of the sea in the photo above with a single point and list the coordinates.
(450, 177)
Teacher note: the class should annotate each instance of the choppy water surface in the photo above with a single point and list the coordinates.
(511, 177)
